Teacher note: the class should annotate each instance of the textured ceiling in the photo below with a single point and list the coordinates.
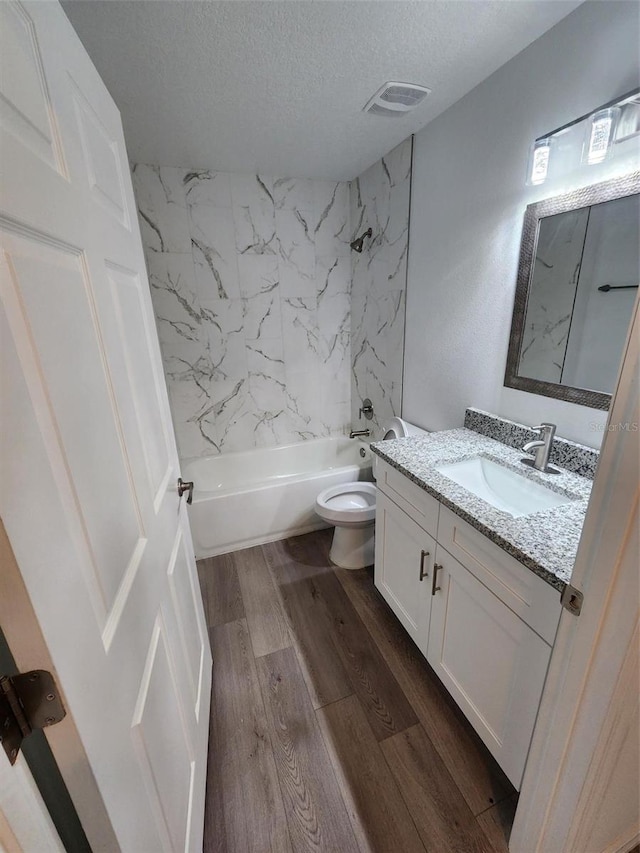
(278, 87)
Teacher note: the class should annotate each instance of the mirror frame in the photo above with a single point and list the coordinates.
(595, 194)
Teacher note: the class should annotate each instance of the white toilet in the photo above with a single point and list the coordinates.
(351, 507)
(397, 428)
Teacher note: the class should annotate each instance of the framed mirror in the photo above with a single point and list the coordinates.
(577, 282)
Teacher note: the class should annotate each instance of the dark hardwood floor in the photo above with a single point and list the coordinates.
(329, 730)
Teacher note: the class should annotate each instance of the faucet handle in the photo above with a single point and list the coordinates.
(545, 428)
(366, 409)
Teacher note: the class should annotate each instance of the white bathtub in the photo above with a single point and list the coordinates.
(244, 499)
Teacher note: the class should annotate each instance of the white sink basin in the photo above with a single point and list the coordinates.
(501, 487)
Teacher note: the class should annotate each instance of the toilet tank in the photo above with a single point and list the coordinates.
(399, 428)
(396, 428)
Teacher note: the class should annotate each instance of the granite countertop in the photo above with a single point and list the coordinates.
(546, 541)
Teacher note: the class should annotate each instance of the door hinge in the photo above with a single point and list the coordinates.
(571, 599)
(28, 701)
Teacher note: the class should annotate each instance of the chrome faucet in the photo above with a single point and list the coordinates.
(356, 433)
(542, 447)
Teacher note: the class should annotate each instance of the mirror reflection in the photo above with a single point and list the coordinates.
(583, 285)
(577, 283)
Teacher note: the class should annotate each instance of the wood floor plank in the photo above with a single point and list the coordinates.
(378, 814)
(309, 622)
(473, 769)
(497, 821)
(443, 818)
(270, 775)
(265, 615)
(386, 706)
(243, 793)
(316, 812)
(220, 589)
(215, 830)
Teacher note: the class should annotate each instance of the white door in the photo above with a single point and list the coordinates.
(580, 788)
(88, 460)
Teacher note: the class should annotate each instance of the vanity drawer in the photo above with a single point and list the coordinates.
(529, 596)
(418, 504)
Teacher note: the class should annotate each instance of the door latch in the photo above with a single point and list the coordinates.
(28, 701)
(571, 599)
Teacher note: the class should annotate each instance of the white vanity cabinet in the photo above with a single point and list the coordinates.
(484, 622)
(406, 525)
(492, 663)
(405, 554)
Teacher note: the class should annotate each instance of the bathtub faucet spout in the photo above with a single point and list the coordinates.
(356, 433)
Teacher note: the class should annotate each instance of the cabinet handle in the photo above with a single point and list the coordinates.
(423, 573)
(436, 569)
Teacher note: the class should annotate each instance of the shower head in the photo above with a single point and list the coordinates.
(356, 245)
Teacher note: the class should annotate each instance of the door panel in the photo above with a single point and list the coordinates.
(130, 329)
(400, 545)
(48, 283)
(161, 741)
(192, 634)
(89, 465)
(104, 170)
(496, 678)
(39, 282)
(25, 107)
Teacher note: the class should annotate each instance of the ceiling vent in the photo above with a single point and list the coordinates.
(396, 99)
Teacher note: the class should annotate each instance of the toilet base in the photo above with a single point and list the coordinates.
(353, 547)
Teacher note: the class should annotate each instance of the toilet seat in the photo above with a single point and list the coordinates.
(348, 504)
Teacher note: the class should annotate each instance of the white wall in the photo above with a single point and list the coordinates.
(467, 207)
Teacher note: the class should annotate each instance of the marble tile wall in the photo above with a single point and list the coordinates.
(250, 279)
(380, 199)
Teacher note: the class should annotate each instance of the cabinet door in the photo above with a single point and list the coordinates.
(491, 662)
(403, 568)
